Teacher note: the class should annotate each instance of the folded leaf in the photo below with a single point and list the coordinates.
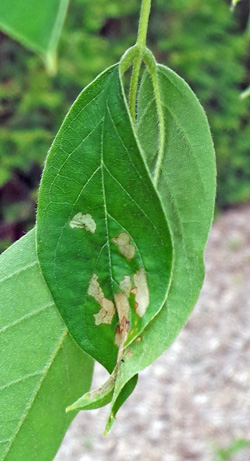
(187, 188)
(37, 25)
(42, 369)
(103, 239)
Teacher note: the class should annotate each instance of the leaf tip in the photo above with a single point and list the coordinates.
(70, 408)
(110, 423)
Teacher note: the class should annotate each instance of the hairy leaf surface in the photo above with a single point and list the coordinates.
(42, 369)
(37, 25)
(103, 238)
(187, 189)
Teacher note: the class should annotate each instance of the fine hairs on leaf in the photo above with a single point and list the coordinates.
(115, 264)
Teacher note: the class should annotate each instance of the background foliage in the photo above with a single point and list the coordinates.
(202, 41)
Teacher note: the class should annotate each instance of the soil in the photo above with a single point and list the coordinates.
(195, 399)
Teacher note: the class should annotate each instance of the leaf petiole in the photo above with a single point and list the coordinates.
(135, 55)
(141, 48)
(150, 62)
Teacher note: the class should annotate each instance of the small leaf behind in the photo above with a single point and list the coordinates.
(36, 25)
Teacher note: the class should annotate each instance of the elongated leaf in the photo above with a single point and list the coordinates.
(187, 188)
(36, 24)
(103, 238)
(42, 369)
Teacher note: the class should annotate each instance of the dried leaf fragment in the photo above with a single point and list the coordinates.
(141, 292)
(126, 248)
(106, 313)
(84, 221)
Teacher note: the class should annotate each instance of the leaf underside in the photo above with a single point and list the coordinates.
(187, 186)
(36, 26)
(42, 369)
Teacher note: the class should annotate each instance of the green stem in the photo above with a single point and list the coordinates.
(134, 87)
(140, 51)
(143, 23)
(136, 55)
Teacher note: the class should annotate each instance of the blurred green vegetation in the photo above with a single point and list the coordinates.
(202, 41)
(227, 454)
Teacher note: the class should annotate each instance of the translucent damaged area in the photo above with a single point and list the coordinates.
(125, 285)
(141, 292)
(122, 307)
(126, 248)
(106, 313)
(83, 221)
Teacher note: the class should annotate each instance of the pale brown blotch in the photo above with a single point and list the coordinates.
(107, 311)
(125, 285)
(122, 307)
(126, 248)
(83, 221)
(141, 292)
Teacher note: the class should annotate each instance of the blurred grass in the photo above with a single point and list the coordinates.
(202, 41)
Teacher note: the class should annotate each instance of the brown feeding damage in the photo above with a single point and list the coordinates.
(106, 313)
(126, 248)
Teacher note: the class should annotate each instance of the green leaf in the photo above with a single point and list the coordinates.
(101, 225)
(246, 93)
(226, 454)
(42, 369)
(235, 2)
(187, 189)
(36, 25)
(95, 188)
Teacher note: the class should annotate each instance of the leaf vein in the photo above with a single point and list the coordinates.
(25, 317)
(19, 380)
(69, 156)
(19, 271)
(36, 390)
(136, 204)
(106, 211)
(61, 234)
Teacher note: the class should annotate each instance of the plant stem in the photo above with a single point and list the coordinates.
(143, 23)
(140, 51)
(134, 87)
(136, 55)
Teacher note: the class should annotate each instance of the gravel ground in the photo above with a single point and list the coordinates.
(195, 398)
